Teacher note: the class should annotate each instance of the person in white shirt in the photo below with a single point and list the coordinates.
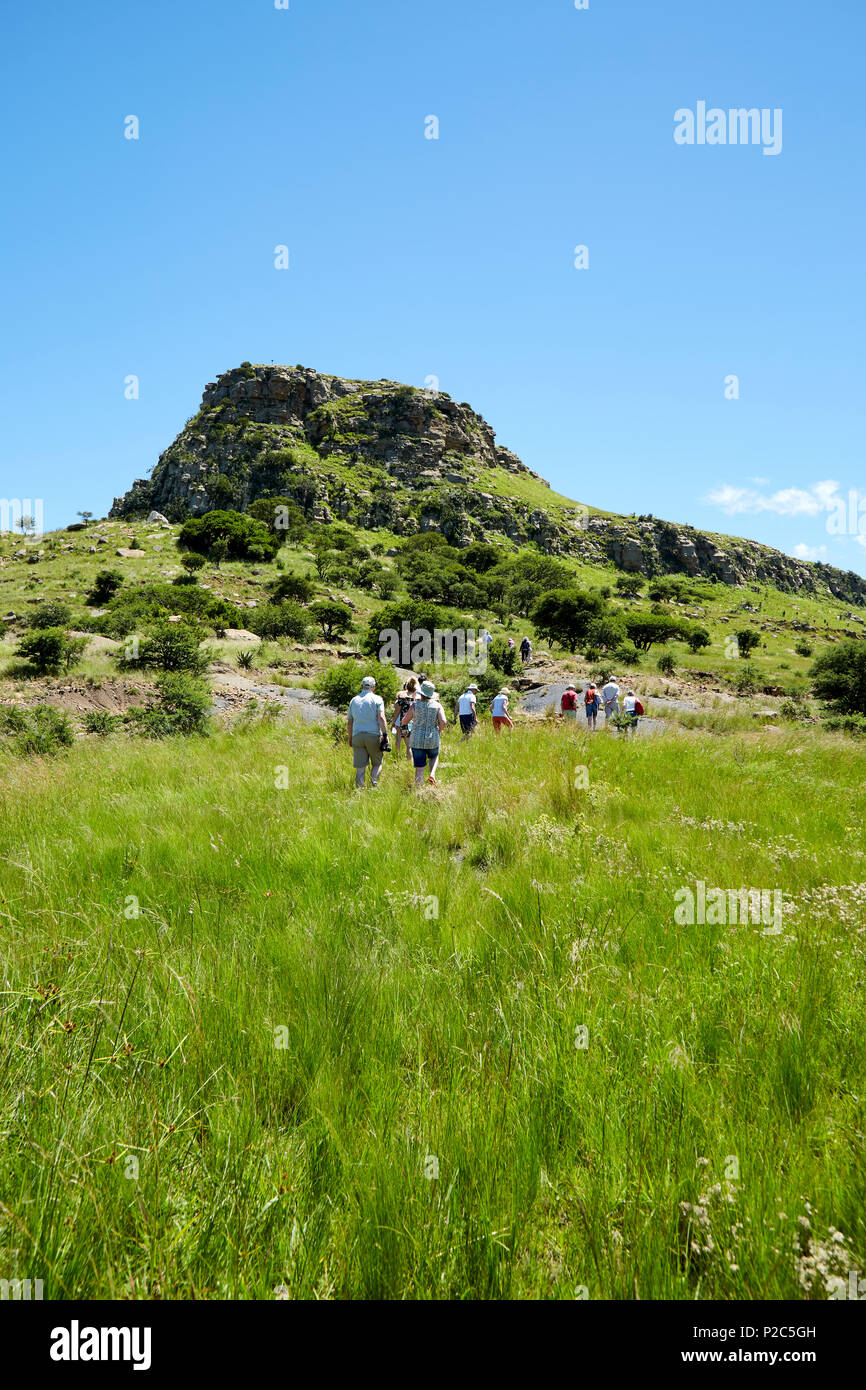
(610, 695)
(366, 729)
(466, 712)
(629, 707)
(499, 710)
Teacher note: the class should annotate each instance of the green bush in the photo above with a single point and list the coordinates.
(101, 722)
(338, 684)
(181, 580)
(839, 676)
(182, 706)
(803, 648)
(171, 647)
(50, 613)
(193, 561)
(503, 657)
(847, 724)
(666, 664)
(105, 586)
(50, 649)
(287, 619)
(42, 730)
(292, 586)
(747, 640)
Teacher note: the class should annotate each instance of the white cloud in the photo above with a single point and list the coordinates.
(760, 482)
(789, 501)
(810, 552)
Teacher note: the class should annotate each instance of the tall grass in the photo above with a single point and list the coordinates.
(259, 1037)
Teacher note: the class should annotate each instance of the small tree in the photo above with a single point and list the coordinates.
(333, 618)
(219, 550)
(747, 640)
(666, 664)
(697, 638)
(193, 561)
(292, 586)
(629, 585)
(85, 516)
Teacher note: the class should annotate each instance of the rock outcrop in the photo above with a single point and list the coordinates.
(380, 455)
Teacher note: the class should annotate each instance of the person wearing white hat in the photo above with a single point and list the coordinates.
(367, 731)
(466, 712)
(499, 710)
(428, 720)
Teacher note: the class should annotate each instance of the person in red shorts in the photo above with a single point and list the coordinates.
(499, 710)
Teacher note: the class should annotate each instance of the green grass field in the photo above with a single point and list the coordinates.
(261, 1033)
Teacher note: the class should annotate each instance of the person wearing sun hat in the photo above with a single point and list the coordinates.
(466, 711)
(428, 721)
(499, 710)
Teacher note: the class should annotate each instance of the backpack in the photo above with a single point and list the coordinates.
(569, 699)
(638, 707)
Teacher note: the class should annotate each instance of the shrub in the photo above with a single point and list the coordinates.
(627, 654)
(101, 722)
(171, 647)
(839, 677)
(50, 613)
(50, 649)
(503, 657)
(181, 580)
(182, 706)
(629, 585)
(666, 664)
(648, 629)
(193, 561)
(105, 586)
(246, 659)
(803, 648)
(847, 724)
(746, 680)
(292, 586)
(42, 730)
(337, 685)
(286, 619)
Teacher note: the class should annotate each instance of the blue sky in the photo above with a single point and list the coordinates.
(454, 257)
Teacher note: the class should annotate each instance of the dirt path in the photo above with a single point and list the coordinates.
(232, 692)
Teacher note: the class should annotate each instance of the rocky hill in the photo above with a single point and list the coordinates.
(380, 455)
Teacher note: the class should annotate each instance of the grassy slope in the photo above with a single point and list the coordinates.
(410, 1037)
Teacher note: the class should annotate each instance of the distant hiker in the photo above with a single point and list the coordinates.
(568, 703)
(499, 710)
(428, 721)
(633, 709)
(466, 712)
(485, 639)
(525, 650)
(511, 644)
(592, 705)
(367, 729)
(610, 695)
(404, 701)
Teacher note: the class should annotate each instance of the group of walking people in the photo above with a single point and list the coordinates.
(417, 723)
(608, 699)
(419, 719)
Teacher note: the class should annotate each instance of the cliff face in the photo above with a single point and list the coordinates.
(380, 455)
